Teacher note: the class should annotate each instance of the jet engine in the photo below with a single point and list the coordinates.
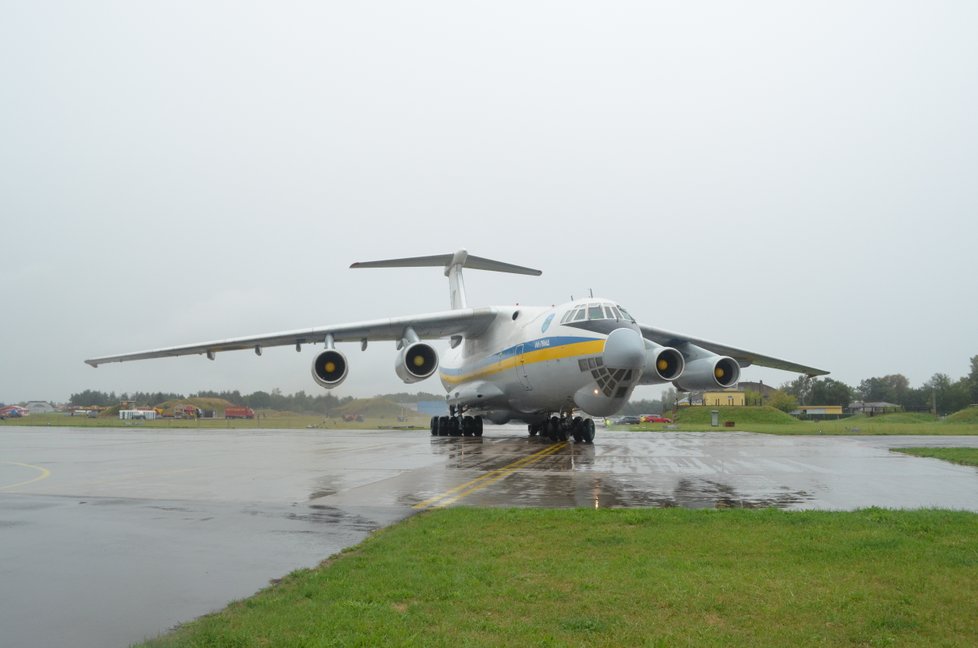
(416, 362)
(662, 364)
(709, 372)
(329, 368)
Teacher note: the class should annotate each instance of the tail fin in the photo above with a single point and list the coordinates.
(453, 264)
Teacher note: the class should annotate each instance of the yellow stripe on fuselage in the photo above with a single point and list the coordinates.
(591, 347)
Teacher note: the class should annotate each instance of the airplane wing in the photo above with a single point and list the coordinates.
(463, 322)
(743, 358)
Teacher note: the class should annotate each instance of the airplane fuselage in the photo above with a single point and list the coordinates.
(532, 361)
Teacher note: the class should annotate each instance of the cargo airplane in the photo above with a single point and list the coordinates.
(543, 366)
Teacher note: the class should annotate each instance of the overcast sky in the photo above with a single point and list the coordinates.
(795, 178)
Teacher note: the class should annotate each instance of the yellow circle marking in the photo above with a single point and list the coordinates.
(662, 365)
(330, 367)
(418, 360)
(45, 473)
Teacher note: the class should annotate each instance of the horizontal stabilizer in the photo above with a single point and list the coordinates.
(461, 258)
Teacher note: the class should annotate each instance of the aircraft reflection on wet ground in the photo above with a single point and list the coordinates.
(702, 470)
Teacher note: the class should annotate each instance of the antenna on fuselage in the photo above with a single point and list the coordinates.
(453, 264)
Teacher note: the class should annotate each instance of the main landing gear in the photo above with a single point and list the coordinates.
(561, 428)
(456, 425)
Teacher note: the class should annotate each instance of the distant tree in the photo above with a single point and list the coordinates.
(891, 389)
(644, 406)
(89, 398)
(783, 401)
(258, 400)
(948, 396)
(826, 391)
(973, 381)
(753, 398)
(667, 402)
(800, 388)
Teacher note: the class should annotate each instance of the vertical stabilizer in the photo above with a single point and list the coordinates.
(453, 264)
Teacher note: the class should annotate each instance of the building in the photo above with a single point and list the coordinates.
(40, 407)
(872, 408)
(725, 398)
(819, 411)
(13, 411)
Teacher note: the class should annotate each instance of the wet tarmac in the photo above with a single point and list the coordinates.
(109, 536)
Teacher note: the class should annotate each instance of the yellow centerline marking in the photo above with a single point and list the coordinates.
(469, 487)
(45, 473)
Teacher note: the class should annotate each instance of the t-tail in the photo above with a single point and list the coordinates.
(453, 264)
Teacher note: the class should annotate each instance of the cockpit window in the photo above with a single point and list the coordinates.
(608, 313)
(626, 315)
(595, 312)
(579, 314)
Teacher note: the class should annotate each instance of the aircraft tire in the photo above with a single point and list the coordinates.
(588, 433)
(478, 426)
(553, 429)
(532, 429)
(468, 427)
(443, 426)
(455, 425)
(577, 429)
(434, 426)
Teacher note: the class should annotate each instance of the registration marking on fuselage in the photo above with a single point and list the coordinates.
(469, 487)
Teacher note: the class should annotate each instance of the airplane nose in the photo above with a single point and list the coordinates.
(624, 349)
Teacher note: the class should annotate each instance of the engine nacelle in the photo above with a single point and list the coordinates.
(709, 372)
(662, 364)
(329, 368)
(416, 362)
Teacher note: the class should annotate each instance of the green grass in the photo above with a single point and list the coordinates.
(659, 577)
(768, 420)
(969, 415)
(964, 456)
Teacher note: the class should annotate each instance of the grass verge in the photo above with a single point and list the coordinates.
(964, 456)
(650, 577)
(768, 420)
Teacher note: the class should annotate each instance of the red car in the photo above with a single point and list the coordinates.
(655, 418)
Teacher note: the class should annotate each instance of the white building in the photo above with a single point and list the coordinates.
(39, 407)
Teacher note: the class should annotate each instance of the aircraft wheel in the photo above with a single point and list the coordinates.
(478, 426)
(444, 426)
(577, 429)
(456, 426)
(434, 426)
(532, 429)
(467, 426)
(588, 433)
(553, 429)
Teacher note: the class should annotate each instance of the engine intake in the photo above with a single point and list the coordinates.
(416, 362)
(662, 364)
(709, 372)
(329, 369)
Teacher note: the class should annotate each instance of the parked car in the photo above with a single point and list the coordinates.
(655, 418)
(628, 420)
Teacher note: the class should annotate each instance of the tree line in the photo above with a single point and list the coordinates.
(299, 402)
(940, 394)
